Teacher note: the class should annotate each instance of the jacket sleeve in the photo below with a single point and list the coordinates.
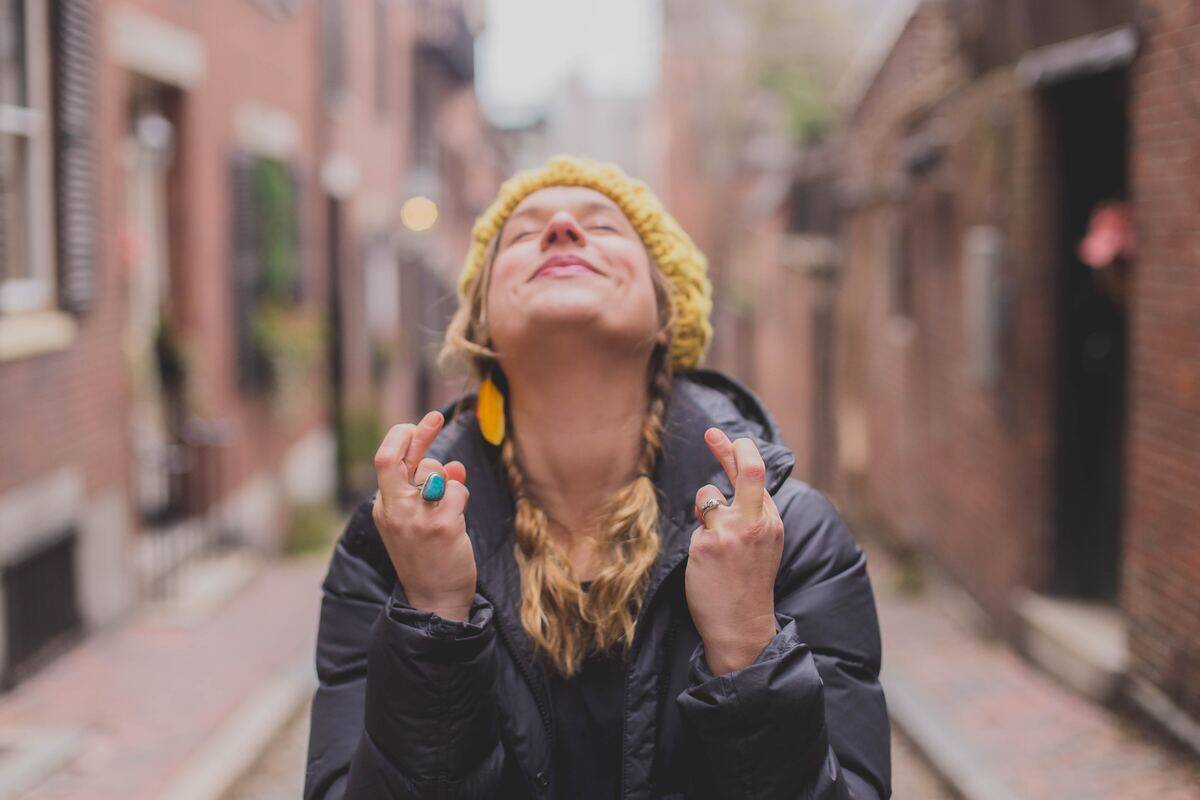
(808, 718)
(403, 707)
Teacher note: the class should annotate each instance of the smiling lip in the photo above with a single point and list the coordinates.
(564, 265)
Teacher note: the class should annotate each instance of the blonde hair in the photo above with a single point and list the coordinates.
(563, 621)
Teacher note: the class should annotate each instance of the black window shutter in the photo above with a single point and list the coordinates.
(73, 32)
(252, 371)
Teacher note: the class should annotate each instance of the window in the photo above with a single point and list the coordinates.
(267, 268)
(26, 152)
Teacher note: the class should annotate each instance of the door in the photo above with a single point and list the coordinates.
(1089, 116)
(156, 359)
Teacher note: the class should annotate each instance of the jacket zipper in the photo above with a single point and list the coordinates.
(668, 643)
(527, 673)
(650, 595)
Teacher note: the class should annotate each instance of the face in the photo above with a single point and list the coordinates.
(568, 261)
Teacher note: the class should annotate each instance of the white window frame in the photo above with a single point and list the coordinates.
(35, 123)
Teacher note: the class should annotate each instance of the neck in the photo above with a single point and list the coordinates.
(577, 423)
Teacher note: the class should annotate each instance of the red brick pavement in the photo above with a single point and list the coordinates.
(148, 695)
(1038, 738)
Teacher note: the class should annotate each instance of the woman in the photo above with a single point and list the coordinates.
(551, 595)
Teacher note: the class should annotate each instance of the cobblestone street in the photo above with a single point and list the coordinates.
(912, 779)
(139, 733)
(998, 723)
(279, 774)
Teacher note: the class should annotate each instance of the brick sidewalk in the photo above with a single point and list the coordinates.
(1008, 730)
(148, 696)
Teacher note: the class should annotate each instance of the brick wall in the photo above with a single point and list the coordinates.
(965, 470)
(70, 408)
(1162, 530)
(956, 467)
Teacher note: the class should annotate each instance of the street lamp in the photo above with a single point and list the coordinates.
(418, 213)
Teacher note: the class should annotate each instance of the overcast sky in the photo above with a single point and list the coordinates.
(529, 46)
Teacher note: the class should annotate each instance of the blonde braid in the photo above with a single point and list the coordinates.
(562, 620)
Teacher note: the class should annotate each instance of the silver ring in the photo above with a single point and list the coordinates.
(438, 490)
(708, 506)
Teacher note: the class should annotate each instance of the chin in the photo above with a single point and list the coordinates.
(568, 303)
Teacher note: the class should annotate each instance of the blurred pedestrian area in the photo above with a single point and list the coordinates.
(954, 250)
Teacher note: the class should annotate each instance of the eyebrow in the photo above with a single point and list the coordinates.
(589, 206)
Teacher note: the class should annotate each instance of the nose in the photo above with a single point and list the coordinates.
(562, 227)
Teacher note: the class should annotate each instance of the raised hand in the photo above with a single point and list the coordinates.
(427, 542)
(732, 563)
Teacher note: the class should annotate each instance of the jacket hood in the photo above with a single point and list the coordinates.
(701, 398)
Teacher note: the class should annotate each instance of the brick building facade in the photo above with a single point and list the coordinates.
(202, 266)
(1022, 417)
(1161, 569)
(110, 460)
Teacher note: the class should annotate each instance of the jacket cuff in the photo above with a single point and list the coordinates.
(781, 686)
(438, 627)
(699, 671)
(429, 703)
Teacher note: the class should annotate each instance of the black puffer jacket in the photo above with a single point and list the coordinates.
(411, 705)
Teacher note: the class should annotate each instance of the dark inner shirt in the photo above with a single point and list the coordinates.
(587, 727)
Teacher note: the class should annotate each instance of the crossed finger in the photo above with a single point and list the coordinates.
(422, 436)
(744, 465)
(399, 459)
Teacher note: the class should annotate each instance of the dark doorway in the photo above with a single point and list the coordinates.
(165, 483)
(1089, 116)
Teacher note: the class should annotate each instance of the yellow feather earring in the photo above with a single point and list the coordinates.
(489, 409)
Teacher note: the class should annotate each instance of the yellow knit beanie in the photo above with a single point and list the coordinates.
(680, 261)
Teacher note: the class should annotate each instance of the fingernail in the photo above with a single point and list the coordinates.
(713, 435)
(431, 419)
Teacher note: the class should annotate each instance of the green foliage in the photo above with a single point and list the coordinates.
(290, 335)
(808, 112)
(909, 578)
(311, 528)
(743, 295)
(800, 53)
(361, 433)
(292, 338)
(277, 230)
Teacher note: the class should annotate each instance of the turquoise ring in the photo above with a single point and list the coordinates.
(433, 488)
